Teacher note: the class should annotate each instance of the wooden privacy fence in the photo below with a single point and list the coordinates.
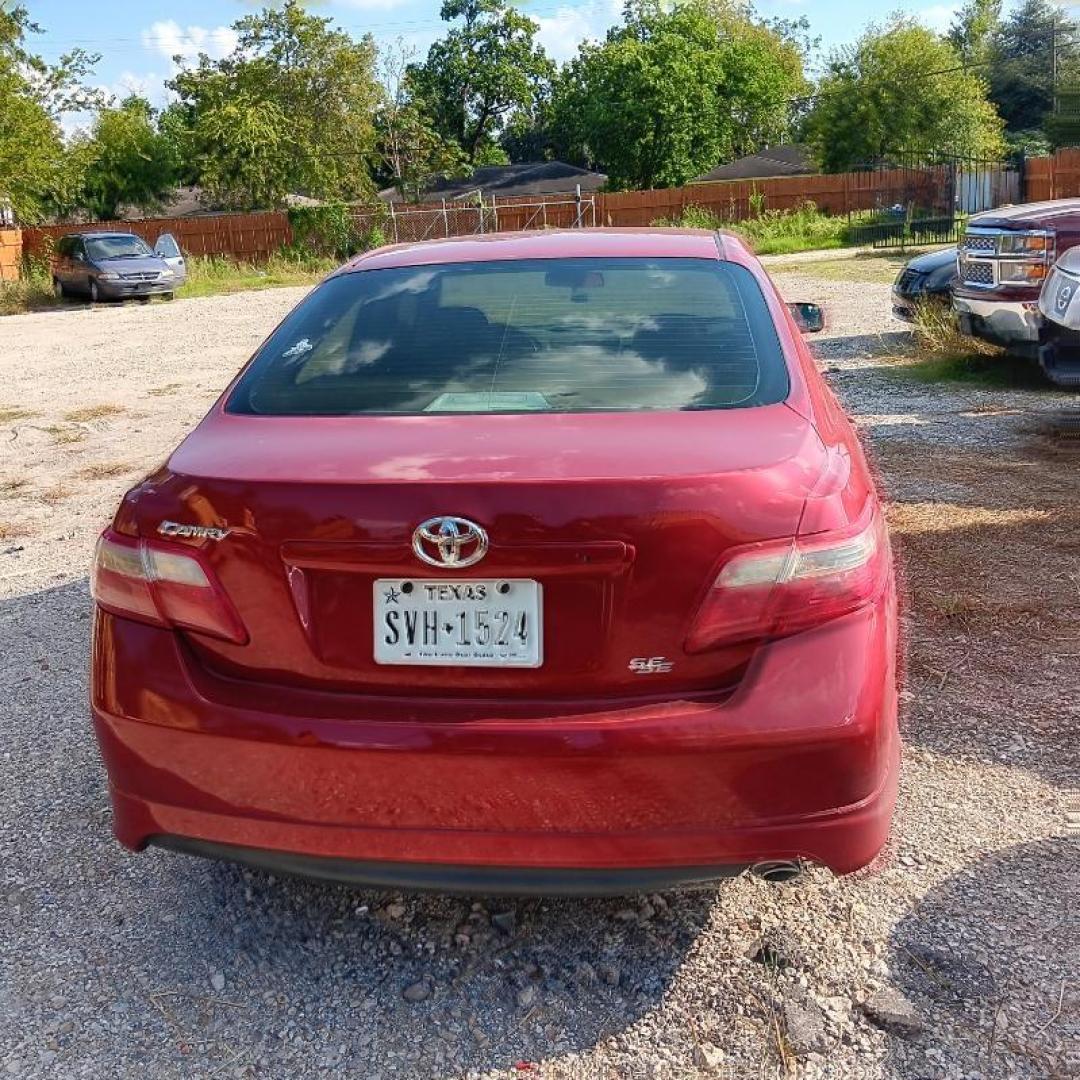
(245, 237)
(1056, 177)
(10, 254)
(737, 200)
(255, 237)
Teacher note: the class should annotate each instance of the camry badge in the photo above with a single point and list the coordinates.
(452, 542)
(195, 532)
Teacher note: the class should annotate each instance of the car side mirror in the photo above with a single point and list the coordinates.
(79, 257)
(809, 318)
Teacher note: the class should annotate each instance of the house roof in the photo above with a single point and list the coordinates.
(792, 159)
(525, 178)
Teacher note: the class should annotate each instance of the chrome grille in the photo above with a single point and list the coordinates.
(141, 276)
(972, 242)
(978, 273)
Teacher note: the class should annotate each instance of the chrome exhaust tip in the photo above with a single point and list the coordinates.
(778, 871)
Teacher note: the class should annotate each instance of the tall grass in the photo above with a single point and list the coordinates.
(31, 292)
(213, 275)
(773, 232)
(943, 354)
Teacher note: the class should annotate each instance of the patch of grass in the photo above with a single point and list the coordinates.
(784, 232)
(946, 355)
(58, 493)
(93, 412)
(9, 489)
(975, 370)
(62, 436)
(877, 267)
(31, 292)
(773, 232)
(214, 275)
(781, 232)
(14, 412)
(165, 391)
(105, 469)
(10, 531)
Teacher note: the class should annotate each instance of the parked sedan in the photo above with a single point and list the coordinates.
(539, 562)
(112, 266)
(925, 279)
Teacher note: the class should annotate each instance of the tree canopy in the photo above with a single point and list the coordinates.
(900, 87)
(410, 151)
(292, 109)
(125, 160)
(37, 174)
(973, 29)
(1022, 68)
(674, 91)
(486, 69)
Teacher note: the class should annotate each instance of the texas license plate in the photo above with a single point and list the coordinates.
(476, 623)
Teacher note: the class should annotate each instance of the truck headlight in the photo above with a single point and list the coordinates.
(1024, 243)
(1021, 273)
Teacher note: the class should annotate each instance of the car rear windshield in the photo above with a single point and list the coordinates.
(559, 335)
(117, 247)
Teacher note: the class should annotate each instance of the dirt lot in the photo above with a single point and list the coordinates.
(956, 956)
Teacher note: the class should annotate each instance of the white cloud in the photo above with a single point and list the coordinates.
(938, 17)
(170, 39)
(561, 33)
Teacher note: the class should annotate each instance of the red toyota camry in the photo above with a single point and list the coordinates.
(540, 562)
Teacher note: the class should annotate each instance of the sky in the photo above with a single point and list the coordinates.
(137, 40)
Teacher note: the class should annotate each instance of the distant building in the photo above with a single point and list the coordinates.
(527, 178)
(791, 159)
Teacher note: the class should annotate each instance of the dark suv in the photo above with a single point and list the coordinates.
(111, 266)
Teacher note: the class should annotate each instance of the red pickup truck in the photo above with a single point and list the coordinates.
(1002, 263)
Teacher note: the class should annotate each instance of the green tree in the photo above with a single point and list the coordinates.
(884, 94)
(973, 30)
(673, 92)
(1022, 64)
(292, 109)
(410, 152)
(37, 176)
(126, 160)
(480, 75)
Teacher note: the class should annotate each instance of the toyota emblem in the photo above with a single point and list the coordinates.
(449, 542)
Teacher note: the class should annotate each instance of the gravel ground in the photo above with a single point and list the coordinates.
(956, 955)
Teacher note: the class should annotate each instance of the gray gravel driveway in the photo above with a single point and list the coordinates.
(957, 955)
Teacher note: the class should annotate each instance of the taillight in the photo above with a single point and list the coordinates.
(162, 584)
(780, 587)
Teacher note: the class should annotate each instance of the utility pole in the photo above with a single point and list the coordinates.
(1054, 60)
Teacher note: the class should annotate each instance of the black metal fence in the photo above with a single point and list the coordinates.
(926, 198)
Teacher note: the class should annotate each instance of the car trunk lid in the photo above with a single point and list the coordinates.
(621, 518)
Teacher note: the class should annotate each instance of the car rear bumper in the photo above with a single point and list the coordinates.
(799, 762)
